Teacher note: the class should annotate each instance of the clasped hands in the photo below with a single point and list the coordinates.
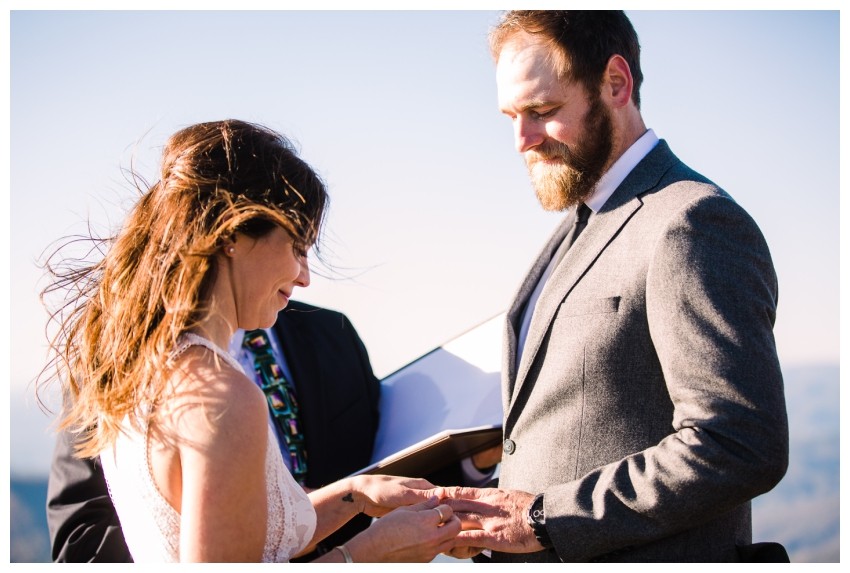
(490, 519)
(484, 518)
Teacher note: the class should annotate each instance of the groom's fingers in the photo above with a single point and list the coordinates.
(463, 552)
(470, 519)
(469, 506)
(475, 538)
(459, 492)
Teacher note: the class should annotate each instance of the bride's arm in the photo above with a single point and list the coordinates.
(415, 532)
(219, 418)
(374, 495)
(411, 533)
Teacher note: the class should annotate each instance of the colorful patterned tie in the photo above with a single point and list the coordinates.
(280, 394)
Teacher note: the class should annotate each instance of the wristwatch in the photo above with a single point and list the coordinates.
(537, 520)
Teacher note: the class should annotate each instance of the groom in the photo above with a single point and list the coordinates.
(643, 399)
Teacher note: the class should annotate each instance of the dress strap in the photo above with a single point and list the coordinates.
(190, 339)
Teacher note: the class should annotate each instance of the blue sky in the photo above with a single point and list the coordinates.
(432, 221)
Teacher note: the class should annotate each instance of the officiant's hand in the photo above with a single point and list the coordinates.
(488, 459)
(380, 494)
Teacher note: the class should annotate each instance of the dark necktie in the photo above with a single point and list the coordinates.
(580, 222)
(280, 394)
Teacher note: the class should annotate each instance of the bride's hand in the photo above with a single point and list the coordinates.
(417, 533)
(381, 494)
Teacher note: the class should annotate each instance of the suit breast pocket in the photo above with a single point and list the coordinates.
(589, 306)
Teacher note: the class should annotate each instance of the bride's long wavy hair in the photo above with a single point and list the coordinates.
(122, 315)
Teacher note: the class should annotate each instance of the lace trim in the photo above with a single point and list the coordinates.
(189, 339)
(291, 517)
(169, 524)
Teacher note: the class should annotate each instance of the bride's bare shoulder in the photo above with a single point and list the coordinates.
(206, 395)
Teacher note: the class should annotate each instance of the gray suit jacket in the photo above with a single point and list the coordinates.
(648, 405)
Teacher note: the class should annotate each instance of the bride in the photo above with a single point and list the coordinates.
(219, 242)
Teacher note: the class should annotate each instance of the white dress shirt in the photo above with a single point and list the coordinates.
(606, 186)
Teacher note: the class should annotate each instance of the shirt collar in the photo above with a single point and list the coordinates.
(612, 178)
(236, 340)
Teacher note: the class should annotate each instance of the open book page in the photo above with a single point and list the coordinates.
(456, 386)
(435, 452)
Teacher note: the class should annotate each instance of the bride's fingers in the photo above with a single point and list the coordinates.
(449, 529)
(443, 513)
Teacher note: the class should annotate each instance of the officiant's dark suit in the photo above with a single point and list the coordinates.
(338, 395)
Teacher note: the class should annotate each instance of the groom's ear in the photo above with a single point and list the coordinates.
(617, 83)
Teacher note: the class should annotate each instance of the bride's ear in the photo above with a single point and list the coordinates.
(228, 245)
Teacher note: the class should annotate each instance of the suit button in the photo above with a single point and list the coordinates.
(509, 446)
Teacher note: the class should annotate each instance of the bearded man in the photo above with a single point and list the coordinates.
(644, 404)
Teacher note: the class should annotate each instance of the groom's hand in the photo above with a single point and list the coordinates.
(491, 518)
(464, 552)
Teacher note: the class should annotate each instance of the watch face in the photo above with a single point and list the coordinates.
(537, 521)
(537, 514)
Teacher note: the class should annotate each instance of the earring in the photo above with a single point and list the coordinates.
(231, 250)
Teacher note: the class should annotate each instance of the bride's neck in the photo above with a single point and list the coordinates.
(215, 328)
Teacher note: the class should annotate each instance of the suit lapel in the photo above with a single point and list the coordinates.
(599, 233)
(514, 315)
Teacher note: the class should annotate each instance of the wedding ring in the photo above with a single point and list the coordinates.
(440, 513)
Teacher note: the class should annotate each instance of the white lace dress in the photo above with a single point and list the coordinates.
(151, 526)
